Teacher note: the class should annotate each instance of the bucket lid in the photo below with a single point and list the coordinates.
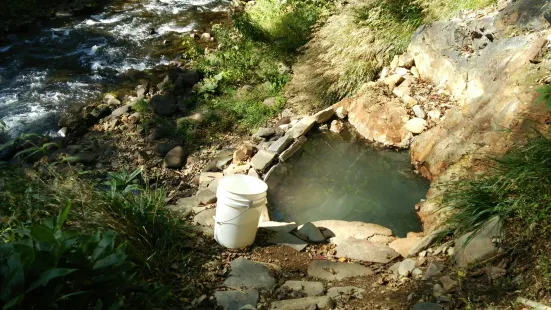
(240, 184)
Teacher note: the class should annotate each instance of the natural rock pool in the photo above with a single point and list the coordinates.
(340, 177)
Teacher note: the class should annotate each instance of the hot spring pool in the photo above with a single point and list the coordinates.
(339, 177)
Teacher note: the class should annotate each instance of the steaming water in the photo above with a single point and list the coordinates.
(42, 74)
(338, 177)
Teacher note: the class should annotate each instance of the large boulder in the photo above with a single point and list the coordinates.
(490, 66)
(378, 117)
(164, 105)
(471, 249)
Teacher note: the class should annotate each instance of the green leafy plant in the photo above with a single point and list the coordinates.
(516, 187)
(123, 181)
(140, 106)
(49, 267)
(545, 95)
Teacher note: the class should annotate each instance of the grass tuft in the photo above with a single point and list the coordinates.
(517, 187)
(350, 48)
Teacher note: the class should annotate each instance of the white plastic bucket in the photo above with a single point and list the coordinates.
(238, 208)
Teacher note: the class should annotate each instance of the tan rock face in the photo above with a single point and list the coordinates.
(404, 245)
(379, 118)
(493, 83)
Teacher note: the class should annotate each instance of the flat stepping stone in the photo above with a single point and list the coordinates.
(235, 300)
(285, 238)
(345, 292)
(330, 271)
(206, 196)
(205, 218)
(262, 160)
(322, 302)
(427, 306)
(358, 230)
(404, 245)
(365, 250)
(247, 274)
(310, 288)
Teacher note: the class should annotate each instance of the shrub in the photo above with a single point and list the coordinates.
(52, 268)
(516, 188)
(140, 106)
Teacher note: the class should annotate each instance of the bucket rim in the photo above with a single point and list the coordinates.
(263, 187)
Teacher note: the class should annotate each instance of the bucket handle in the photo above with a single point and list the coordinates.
(224, 222)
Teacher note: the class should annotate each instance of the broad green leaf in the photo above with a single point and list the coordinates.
(110, 260)
(134, 174)
(62, 216)
(106, 243)
(15, 281)
(14, 302)
(43, 234)
(48, 275)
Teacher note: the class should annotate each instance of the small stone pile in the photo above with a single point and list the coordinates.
(427, 104)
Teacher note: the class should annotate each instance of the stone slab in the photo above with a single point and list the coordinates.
(247, 274)
(358, 230)
(281, 144)
(331, 271)
(365, 250)
(262, 160)
(481, 247)
(310, 288)
(302, 127)
(345, 292)
(322, 302)
(235, 300)
(205, 218)
(293, 148)
(284, 238)
(404, 245)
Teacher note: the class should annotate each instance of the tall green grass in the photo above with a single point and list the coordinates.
(351, 47)
(517, 187)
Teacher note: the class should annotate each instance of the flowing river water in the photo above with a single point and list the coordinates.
(74, 60)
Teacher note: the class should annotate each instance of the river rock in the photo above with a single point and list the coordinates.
(341, 112)
(331, 271)
(285, 238)
(422, 245)
(262, 160)
(120, 111)
(186, 80)
(243, 153)
(434, 269)
(83, 158)
(416, 125)
(205, 218)
(299, 142)
(447, 282)
(434, 114)
(175, 158)
(343, 230)
(281, 144)
(324, 115)
(393, 80)
(302, 127)
(161, 149)
(345, 292)
(205, 178)
(164, 105)
(418, 111)
(134, 118)
(236, 300)
(336, 126)
(265, 132)
(206, 196)
(309, 288)
(309, 232)
(247, 274)
(406, 267)
(404, 245)
(481, 246)
(321, 303)
(365, 250)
